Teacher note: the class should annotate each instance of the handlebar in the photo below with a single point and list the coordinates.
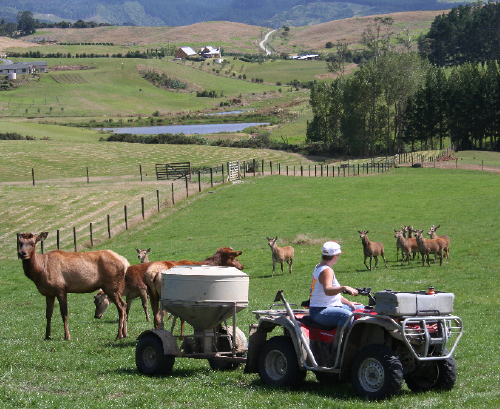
(367, 291)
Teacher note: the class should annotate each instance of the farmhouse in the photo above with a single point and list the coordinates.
(185, 52)
(210, 52)
(305, 57)
(23, 68)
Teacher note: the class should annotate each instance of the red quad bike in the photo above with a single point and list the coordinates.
(398, 336)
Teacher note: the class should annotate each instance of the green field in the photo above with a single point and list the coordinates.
(92, 370)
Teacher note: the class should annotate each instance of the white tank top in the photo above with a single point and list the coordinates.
(318, 296)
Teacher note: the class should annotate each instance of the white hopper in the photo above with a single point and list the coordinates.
(204, 296)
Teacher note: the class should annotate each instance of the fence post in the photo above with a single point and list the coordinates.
(74, 237)
(91, 236)
(142, 207)
(212, 177)
(140, 171)
(301, 170)
(126, 221)
(254, 163)
(199, 181)
(158, 199)
(33, 175)
(187, 191)
(271, 166)
(109, 228)
(456, 163)
(279, 168)
(262, 167)
(58, 240)
(87, 175)
(244, 169)
(482, 163)
(173, 201)
(222, 173)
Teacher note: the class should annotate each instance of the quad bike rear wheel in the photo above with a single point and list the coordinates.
(278, 364)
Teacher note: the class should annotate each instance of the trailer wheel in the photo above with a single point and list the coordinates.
(150, 358)
(278, 364)
(377, 373)
(437, 375)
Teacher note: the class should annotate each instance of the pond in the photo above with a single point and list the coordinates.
(185, 129)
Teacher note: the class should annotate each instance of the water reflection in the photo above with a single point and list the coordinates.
(185, 129)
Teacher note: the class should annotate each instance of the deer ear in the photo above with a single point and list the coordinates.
(138, 250)
(148, 250)
(42, 236)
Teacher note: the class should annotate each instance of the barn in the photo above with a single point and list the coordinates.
(185, 52)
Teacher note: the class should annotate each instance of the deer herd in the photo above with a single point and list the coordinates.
(57, 273)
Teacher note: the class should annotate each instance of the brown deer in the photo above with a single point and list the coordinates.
(404, 244)
(134, 288)
(371, 249)
(143, 255)
(280, 254)
(433, 235)
(429, 246)
(58, 273)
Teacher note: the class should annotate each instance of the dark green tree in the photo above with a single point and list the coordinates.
(26, 23)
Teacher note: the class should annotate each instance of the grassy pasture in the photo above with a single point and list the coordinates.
(93, 371)
(116, 88)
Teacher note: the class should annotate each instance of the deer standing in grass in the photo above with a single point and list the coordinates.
(58, 273)
(371, 249)
(433, 235)
(134, 288)
(429, 246)
(280, 254)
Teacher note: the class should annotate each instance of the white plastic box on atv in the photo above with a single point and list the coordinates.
(398, 337)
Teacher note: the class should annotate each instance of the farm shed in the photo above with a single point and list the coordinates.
(185, 52)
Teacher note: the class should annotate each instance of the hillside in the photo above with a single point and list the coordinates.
(233, 37)
(269, 13)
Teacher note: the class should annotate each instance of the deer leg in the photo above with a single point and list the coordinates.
(63, 306)
(49, 300)
(290, 262)
(383, 256)
(376, 262)
(122, 319)
(144, 299)
(282, 262)
(274, 266)
(129, 304)
(366, 265)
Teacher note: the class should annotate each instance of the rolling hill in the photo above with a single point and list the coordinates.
(269, 13)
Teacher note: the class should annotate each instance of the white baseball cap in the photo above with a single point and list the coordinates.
(331, 248)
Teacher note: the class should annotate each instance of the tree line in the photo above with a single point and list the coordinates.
(469, 33)
(400, 97)
(401, 100)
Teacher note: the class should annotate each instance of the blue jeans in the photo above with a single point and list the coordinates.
(331, 316)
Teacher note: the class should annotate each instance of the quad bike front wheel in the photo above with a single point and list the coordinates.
(377, 373)
(278, 363)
